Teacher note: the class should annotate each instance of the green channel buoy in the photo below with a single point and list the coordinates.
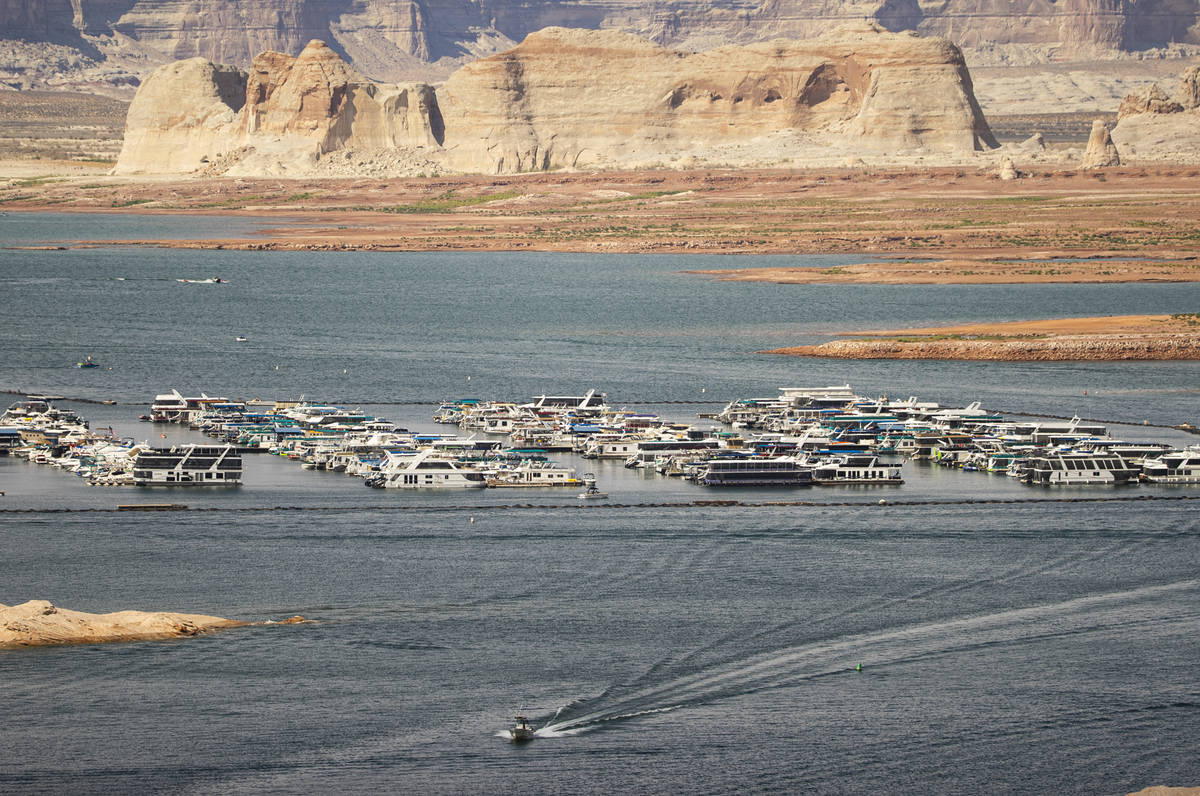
(859, 668)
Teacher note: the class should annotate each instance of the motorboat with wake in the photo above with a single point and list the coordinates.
(521, 731)
(212, 280)
(590, 492)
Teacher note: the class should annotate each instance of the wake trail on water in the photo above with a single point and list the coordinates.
(781, 667)
(1017, 571)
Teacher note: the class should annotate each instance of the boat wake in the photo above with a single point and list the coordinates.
(792, 665)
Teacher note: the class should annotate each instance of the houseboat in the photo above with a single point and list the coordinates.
(856, 469)
(1064, 467)
(755, 471)
(188, 465)
(1181, 467)
(424, 471)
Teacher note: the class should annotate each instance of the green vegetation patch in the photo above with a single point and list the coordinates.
(447, 202)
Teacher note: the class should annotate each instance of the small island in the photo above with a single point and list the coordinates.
(1105, 338)
(39, 623)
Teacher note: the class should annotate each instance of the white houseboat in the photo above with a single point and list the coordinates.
(424, 471)
(857, 469)
(188, 465)
(755, 471)
(532, 473)
(1181, 467)
(1079, 468)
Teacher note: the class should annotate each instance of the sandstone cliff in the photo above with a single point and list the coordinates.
(565, 99)
(1156, 127)
(116, 41)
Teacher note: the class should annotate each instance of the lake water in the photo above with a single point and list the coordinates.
(1006, 647)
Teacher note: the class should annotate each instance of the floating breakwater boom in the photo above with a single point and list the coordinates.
(564, 98)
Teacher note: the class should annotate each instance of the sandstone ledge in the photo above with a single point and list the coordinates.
(39, 623)
(1109, 338)
(1057, 349)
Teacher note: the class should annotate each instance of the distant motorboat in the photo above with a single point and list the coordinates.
(87, 363)
(591, 492)
(239, 339)
(521, 731)
(212, 280)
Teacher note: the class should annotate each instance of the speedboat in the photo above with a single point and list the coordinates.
(591, 492)
(212, 280)
(521, 731)
(87, 363)
(239, 339)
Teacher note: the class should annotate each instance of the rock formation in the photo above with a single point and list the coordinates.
(1189, 89)
(394, 40)
(1152, 100)
(567, 99)
(39, 623)
(1155, 127)
(1101, 151)
(278, 118)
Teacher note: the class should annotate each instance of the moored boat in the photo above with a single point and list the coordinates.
(188, 465)
(1181, 467)
(1065, 467)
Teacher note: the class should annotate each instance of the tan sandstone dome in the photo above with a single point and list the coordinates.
(279, 118)
(575, 98)
(564, 99)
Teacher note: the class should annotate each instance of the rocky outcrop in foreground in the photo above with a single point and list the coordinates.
(563, 99)
(39, 623)
(1153, 126)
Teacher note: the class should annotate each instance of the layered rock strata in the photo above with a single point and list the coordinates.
(280, 117)
(566, 99)
(402, 39)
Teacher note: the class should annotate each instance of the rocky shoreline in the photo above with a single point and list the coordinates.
(39, 623)
(932, 225)
(1112, 338)
(1114, 348)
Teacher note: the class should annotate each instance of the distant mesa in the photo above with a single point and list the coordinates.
(563, 99)
(102, 43)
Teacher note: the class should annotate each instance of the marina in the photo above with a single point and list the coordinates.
(1005, 630)
(819, 436)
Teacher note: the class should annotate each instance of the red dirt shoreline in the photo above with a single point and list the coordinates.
(1108, 339)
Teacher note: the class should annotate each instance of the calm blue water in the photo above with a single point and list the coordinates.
(1026, 648)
